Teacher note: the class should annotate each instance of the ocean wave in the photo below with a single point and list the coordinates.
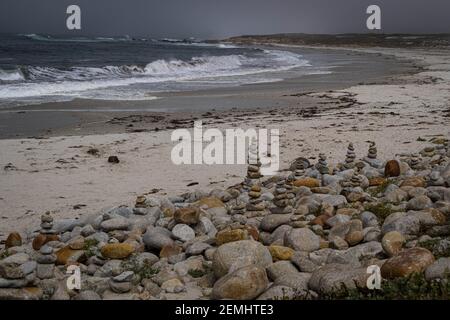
(13, 75)
(47, 81)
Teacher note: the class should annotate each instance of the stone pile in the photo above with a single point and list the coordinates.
(277, 238)
(350, 157)
(322, 165)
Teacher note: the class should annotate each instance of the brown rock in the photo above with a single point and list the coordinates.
(67, 255)
(414, 182)
(392, 243)
(252, 232)
(170, 250)
(320, 220)
(14, 240)
(307, 182)
(210, 202)
(228, 235)
(392, 169)
(190, 215)
(281, 252)
(42, 239)
(375, 182)
(407, 262)
(117, 250)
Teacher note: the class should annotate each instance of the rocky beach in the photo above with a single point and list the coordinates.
(364, 181)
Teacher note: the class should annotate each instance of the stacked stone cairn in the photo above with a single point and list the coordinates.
(282, 199)
(414, 162)
(349, 158)
(254, 166)
(371, 158)
(322, 165)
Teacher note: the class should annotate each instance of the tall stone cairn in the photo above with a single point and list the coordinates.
(254, 166)
(322, 165)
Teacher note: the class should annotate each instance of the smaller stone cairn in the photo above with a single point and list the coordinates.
(322, 165)
(281, 199)
(45, 263)
(350, 157)
(414, 161)
(47, 224)
(354, 182)
(372, 154)
(290, 189)
(238, 208)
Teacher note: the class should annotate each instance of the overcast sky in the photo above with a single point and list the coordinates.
(221, 18)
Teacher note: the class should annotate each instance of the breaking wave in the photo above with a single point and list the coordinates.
(28, 81)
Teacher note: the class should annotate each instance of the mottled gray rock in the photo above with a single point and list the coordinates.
(197, 248)
(298, 281)
(356, 255)
(302, 239)
(333, 200)
(244, 252)
(369, 219)
(280, 268)
(87, 295)
(278, 292)
(18, 258)
(64, 225)
(243, 284)
(419, 203)
(124, 276)
(334, 277)
(157, 237)
(337, 219)
(440, 269)
(271, 221)
(183, 232)
(118, 223)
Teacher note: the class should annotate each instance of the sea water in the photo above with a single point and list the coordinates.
(40, 68)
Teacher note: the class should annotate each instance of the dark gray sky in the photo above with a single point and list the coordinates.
(222, 18)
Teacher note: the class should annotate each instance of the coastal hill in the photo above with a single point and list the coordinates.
(351, 39)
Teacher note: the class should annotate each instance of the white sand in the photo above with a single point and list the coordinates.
(55, 174)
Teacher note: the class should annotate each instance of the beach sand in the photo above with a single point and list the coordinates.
(54, 171)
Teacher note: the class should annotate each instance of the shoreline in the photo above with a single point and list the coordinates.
(85, 117)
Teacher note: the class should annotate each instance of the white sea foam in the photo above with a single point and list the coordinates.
(81, 81)
(14, 75)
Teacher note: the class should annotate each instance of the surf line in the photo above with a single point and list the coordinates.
(186, 310)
